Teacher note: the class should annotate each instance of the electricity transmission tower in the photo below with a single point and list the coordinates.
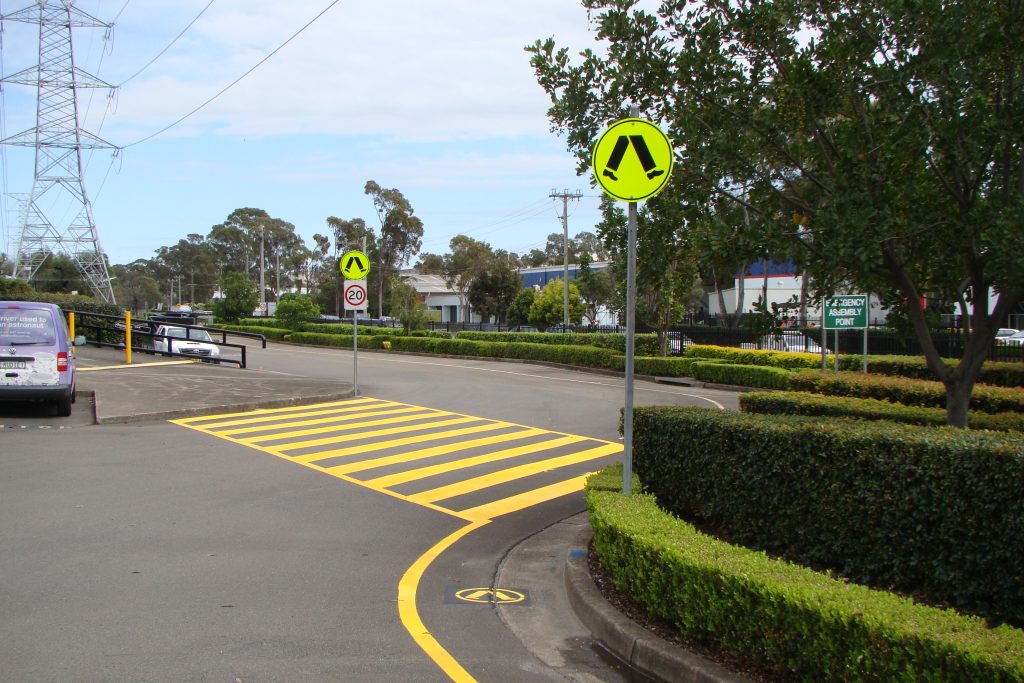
(58, 188)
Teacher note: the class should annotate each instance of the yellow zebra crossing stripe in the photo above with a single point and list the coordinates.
(456, 461)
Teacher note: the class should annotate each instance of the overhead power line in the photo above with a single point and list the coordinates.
(169, 45)
(237, 80)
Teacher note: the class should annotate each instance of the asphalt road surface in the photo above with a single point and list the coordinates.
(352, 541)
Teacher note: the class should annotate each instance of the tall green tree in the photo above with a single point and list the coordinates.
(405, 304)
(883, 140)
(134, 287)
(400, 238)
(597, 287)
(240, 297)
(519, 310)
(548, 307)
(467, 260)
(493, 291)
(194, 261)
(59, 273)
(667, 272)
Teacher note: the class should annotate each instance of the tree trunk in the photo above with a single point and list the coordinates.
(958, 380)
(958, 400)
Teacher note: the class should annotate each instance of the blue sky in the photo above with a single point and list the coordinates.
(436, 99)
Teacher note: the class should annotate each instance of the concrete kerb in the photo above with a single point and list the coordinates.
(627, 640)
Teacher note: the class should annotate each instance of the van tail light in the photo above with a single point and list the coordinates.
(62, 362)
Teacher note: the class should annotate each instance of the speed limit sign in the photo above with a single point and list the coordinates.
(354, 295)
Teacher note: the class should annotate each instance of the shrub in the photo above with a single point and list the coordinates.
(645, 344)
(936, 511)
(911, 392)
(293, 309)
(760, 376)
(783, 617)
(346, 328)
(799, 403)
(1003, 374)
(275, 333)
(664, 366)
(779, 359)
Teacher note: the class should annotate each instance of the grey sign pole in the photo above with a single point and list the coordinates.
(355, 353)
(627, 420)
(824, 339)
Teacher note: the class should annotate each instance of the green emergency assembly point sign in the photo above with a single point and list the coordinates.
(632, 160)
(846, 312)
(354, 265)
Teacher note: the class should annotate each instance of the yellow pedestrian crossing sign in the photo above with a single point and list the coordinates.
(632, 160)
(354, 265)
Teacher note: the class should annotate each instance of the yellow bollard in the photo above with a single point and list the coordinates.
(128, 337)
(71, 324)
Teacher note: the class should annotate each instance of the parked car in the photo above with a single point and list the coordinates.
(791, 340)
(1004, 333)
(1015, 339)
(677, 342)
(189, 341)
(37, 358)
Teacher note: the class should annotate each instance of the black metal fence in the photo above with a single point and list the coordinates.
(109, 330)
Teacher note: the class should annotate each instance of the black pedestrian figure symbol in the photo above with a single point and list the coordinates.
(642, 153)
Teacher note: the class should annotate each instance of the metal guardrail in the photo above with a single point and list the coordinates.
(113, 328)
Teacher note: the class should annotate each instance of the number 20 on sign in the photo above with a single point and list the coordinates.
(354, 294)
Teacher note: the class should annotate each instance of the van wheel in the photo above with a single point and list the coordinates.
(64, 406)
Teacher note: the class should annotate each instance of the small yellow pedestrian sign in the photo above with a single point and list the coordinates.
(491, 596)
(354, 265)
(632, 160)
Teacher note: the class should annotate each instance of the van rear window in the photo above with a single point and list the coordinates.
(26, 326)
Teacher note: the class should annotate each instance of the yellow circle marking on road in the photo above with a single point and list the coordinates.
(632, 160)
(354, 265)
(492, 596)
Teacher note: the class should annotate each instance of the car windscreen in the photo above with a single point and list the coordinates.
(26, 326)
(195, 335)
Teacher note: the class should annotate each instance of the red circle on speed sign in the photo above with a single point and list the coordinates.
(355, 296)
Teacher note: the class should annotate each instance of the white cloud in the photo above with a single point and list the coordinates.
(407, 70)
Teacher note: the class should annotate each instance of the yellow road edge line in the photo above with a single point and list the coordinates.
(332, 416)
(137, 365)
(406, 476)
(444, 449)
(419, 438)
(521, 501)
(343, 427)
(264, 412)
(410, 616)
(512, 473)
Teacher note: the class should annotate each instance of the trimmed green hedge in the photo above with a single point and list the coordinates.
(645, 344)
(664, 366)
(342, 328)
(911, 392)
(789, 360)
(787, 619)
(761, 376)
(936, 511)
(1002, 374)
(588, 356)
(275, 333)
(799, 403)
